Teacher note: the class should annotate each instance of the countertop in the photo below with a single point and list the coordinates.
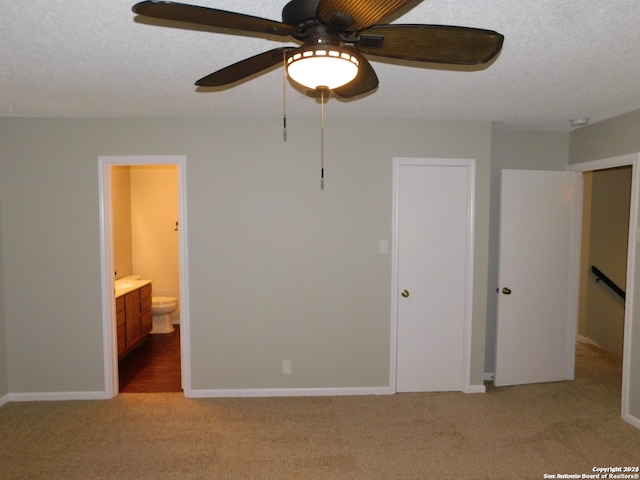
(124, 286)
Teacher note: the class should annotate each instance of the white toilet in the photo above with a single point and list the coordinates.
(162, 308)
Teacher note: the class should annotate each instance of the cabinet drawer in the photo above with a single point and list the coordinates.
(145, 305)
(145, 292)
(120, 304)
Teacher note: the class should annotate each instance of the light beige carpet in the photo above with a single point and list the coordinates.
(518, 432)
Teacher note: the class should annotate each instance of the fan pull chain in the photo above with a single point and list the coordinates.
(284, 96)
(322, 140)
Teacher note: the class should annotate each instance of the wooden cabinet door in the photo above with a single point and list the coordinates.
(146, 317)
(132, 313)
(122, 333)
(146, 323)
(121, 328)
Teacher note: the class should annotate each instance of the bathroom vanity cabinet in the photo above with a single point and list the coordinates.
(121, 327)
(133, 318)
(146, 318)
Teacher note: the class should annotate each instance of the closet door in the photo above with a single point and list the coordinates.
(433, 224)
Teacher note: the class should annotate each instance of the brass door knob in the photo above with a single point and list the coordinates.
(506, 291)
(405, 293)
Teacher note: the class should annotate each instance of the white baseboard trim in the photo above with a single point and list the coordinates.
(223, 393)
(56, 396)
(630, 419)
(475, 389)
(306, 392)
(288, 392)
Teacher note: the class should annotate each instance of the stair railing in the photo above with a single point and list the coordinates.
(608, 282)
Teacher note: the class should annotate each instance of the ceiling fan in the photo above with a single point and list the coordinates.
(336, 35)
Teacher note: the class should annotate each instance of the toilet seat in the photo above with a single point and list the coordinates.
(163, 301)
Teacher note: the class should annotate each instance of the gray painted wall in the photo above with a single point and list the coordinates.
(609, 138)
(278, 269)
(256, 217)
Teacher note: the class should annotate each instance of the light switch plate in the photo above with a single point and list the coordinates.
(286, 367)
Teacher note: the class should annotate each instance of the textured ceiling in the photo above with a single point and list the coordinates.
(562, 59)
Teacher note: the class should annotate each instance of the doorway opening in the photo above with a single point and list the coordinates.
(143, 250)
(630, 339)
(603, 269)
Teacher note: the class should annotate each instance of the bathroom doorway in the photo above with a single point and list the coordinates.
(143, 212)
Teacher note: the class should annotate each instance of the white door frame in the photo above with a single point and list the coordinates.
(470, 164)
(110, 344)
(632, 160)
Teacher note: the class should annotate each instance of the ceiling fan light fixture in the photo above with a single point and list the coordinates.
(322, 67)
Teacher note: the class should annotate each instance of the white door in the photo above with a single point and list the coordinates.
(536, 300)
(433, 223)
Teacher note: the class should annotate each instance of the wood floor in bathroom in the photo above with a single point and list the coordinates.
(154, 366)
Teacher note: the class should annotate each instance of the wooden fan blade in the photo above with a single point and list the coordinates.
(365, 81)
(354, 15)
(211, 17)
(432, 43)
(243, 69)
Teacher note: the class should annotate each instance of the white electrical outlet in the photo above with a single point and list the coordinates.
(286, 367)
